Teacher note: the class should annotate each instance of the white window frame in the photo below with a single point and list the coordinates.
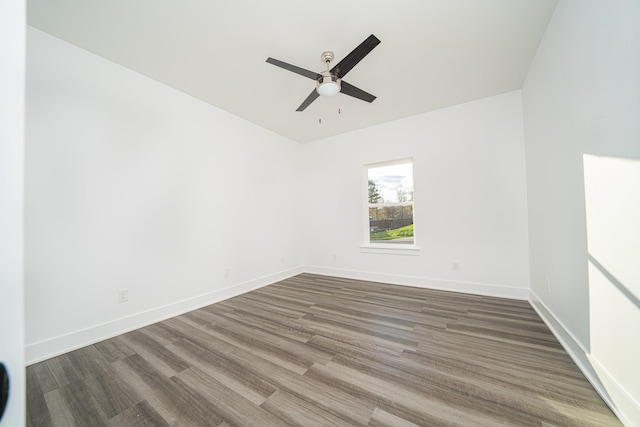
(386, 248)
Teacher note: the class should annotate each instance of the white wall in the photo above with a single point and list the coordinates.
(470, 199)
(12, 68)
(133, 185)
(581, 102)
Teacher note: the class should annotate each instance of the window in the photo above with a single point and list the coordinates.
(389, 201)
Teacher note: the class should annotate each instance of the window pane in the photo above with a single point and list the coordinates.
(393, 182)
(391, 224)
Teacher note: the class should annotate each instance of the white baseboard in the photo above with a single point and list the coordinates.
(612, 392)
(425, 282)
(42, 350)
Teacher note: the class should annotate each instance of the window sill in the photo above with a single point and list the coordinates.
(390, 249)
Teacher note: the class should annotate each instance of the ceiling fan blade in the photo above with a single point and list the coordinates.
(310, 74)
(351, 90)
(356, 55)
(312, 97)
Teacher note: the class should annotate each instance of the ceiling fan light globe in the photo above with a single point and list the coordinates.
(328, 89)
(328, 86)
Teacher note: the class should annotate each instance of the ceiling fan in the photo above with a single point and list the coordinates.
(329, 82)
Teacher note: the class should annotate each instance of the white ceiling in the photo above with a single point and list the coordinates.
(433, 53)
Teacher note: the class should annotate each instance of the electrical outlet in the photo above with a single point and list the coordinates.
(455, 266)
(227, 272)
(123, 295)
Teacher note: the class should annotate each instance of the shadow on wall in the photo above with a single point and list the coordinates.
(611, 279)
(612, 200)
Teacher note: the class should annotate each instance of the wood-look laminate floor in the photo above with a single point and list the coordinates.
(319, 351)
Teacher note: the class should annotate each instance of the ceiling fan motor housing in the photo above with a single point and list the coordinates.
(328, 84)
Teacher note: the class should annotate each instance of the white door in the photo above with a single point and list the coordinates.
(12, 75)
